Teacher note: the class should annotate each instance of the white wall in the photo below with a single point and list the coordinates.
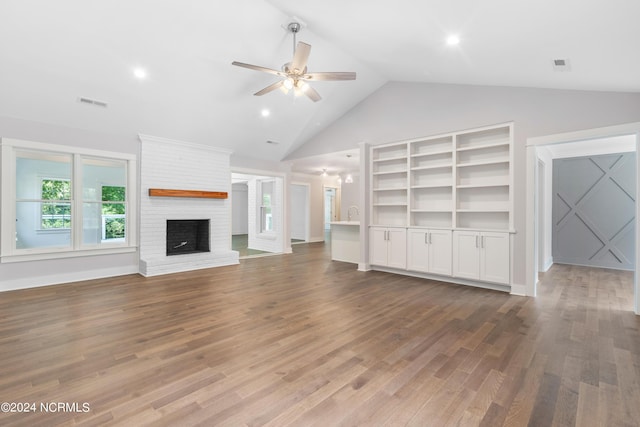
(350, 196)
(430, 109)
(299, 211)
(46, 272)
(239, 209)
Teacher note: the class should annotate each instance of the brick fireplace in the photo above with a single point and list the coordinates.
(170, 164)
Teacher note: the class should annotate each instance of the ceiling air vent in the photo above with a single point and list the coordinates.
(90, 101)
(561, 65)
(272, 142)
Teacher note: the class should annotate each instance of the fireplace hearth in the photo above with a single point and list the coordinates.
(187, 236)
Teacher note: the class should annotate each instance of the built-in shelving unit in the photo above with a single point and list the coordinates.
(456, 182)
(484, 179)
(389, 185)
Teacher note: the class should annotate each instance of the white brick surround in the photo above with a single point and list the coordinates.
(170, 164)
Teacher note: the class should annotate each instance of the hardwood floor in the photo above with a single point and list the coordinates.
(300, 340)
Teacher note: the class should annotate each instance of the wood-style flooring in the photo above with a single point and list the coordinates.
(300, 340)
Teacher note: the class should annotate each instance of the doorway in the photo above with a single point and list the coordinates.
(300, 201)
(257, 214)
(537, 149)
(331, 207)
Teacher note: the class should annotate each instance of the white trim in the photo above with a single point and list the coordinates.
(519, 290)
(62, 253)
(64, 278)
(69, 149)
(531, 184)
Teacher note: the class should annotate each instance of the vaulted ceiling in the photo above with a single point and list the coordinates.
(52, 53)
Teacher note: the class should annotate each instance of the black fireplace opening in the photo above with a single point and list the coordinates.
(187, 236)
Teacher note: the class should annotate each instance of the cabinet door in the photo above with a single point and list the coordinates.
(397, 248)
(494, 257)
(440, 252)
(418, 250)
(466, 254)
(378, 246)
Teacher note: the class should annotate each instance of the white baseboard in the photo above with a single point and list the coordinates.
(69, 277)
(316, 239)
(520, 290)
(364, 267)
(547, 265)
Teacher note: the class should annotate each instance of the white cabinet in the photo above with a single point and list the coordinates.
(429, 251)
(388, 247)
(481, 256)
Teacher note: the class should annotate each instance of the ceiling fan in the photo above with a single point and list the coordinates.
(294, 74)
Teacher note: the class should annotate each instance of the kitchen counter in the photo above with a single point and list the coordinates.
(345, 241)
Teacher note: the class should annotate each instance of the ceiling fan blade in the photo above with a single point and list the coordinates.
(270, 88)
(330, 76)
(300, 57)
(258, 68)
(312, 94)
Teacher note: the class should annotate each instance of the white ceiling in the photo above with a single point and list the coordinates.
(53, 52)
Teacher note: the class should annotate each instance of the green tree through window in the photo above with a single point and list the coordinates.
(113, 211)
(56, 205)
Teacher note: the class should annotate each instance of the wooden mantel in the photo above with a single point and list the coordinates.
(163, 192)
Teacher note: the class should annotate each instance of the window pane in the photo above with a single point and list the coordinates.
(55, 189)
(112, 193)
(103, 223)
(34, 230)
(103, 180)
(34, 169)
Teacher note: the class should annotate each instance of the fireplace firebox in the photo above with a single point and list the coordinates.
(187, 236)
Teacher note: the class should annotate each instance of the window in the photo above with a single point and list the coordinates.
(113, 212)
(55, 204)
(67, 201)
(266, 206)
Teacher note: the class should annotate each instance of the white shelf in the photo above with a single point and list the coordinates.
(390, 172)
(456, 180)
(433, 153)
(418, 187)
(424, 168)
(389, 159)
(483, 163)
(487, 185)
(482, 210)
(483, 146)
(391, 189)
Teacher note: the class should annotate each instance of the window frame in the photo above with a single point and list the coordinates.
(9, 152)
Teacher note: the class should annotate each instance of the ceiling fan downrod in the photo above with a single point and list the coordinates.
(293, 28)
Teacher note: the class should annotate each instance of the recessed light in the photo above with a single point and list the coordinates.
(140, 73)
(453, 40)
(265, 113)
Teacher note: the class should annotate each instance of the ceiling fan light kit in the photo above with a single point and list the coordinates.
(294, 73)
